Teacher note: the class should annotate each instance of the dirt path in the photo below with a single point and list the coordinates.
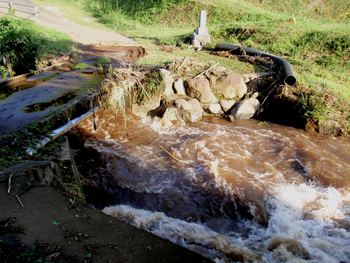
(53, 17)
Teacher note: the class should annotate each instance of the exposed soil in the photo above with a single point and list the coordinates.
(117, 53)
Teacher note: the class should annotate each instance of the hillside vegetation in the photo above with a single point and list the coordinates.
(23, 45)
(314, 35)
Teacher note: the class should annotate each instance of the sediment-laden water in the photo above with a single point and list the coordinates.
(241, 191)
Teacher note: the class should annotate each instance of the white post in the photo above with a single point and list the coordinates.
(201, 36)
(203, 30)
(203, 19)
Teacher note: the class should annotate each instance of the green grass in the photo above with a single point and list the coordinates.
(80, 66)
(24, 44)
(317, 44)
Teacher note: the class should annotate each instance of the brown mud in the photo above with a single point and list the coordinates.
(118, 53)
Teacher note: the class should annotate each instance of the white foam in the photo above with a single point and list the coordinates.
(306, 213)
(302, 213)
(303, 217)
(191, 235)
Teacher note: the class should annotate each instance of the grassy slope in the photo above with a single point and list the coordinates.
(313, 35)
(317, 44)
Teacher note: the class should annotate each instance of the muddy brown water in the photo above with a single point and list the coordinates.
(39, 96)
(232, 191)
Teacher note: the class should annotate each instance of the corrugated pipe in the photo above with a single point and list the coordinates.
(286, 70)
(60, 131)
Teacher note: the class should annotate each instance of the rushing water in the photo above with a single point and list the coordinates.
(241, 191)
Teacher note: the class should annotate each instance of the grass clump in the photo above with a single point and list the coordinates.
(23, 44)
(124, 87)
(144, 11)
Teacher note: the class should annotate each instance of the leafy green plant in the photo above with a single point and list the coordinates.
(23, 44)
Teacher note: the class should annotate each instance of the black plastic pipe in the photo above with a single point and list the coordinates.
(285, 69)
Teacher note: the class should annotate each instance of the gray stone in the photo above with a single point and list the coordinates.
(230, 86)
(245, 109)
(179, 87)
(203, 30)
(215, 108)
(171, 115)
(226, 105)
(168, 82)
(141, 110)
(330, 127)
(190, 109)
(199, 88)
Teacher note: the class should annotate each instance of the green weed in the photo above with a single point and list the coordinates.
(80, 66)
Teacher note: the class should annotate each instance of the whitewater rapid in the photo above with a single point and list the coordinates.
(232, 192)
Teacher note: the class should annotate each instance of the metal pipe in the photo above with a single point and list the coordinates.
(60, 131)
(285, 68)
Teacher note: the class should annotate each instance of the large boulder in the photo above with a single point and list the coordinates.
(142, 110)
(168, 82)
(226, 105)
(330, 127)
(199, 88)
(179, 87)
(245, 109)
(229, 86)
(190, 109)
(171, 116)
(214, 108)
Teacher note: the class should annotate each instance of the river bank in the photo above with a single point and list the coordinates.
(53, 227)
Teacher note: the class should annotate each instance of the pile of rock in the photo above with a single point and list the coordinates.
(223, 94)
